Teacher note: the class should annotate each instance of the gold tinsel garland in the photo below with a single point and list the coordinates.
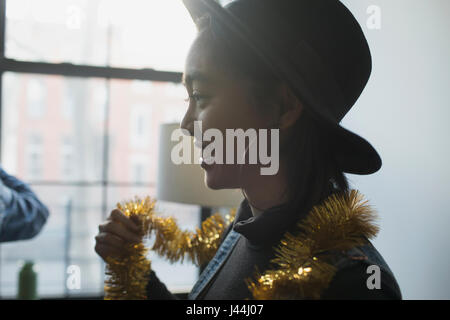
(200, 246)
(303, 261)
(127, 277)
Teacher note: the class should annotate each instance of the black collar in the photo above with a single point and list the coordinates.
(267, 228)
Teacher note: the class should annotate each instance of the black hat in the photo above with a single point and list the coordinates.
(318, 48)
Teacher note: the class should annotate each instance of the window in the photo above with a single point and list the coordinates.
(36, 98)
(139, 164)
(69, 102)
(100, 32)
(138, 172)
(140, 122)
(34, 157)
(67, 158)
(85, 86)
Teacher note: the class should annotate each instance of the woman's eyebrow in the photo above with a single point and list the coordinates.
(189, 77)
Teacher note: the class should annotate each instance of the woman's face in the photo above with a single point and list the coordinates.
(220, 100)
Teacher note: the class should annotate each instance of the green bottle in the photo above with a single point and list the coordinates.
(27, 288)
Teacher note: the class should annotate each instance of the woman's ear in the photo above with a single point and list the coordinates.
(291, 107)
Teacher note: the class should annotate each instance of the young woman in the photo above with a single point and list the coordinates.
(297, 66)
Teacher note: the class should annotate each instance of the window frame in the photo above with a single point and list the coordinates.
(106, 73)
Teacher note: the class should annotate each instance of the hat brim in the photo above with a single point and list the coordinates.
(353, 153)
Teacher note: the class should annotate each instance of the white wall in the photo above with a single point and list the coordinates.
(405, 112)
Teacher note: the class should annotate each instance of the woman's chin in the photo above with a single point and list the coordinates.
(212, 181)
(216, 179)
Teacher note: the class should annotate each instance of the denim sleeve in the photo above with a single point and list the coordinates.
(22, 215)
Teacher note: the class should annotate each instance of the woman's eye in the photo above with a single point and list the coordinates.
(196, 97)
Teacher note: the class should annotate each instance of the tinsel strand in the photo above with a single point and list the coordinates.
(199, 247)
(302, 266)
(127, 277)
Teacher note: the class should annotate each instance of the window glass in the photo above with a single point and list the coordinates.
(137, 108)
(133, 34)
(57, 145)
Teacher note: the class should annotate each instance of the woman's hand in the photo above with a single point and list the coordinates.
(115, 234)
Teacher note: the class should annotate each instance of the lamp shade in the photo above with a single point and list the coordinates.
(185, 183)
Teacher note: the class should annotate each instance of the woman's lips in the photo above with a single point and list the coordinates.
(204, 161)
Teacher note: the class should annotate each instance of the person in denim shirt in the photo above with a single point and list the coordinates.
(22, 214)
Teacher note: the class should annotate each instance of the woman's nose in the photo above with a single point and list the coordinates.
(187, 124)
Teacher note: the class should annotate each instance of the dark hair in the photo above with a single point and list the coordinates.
(313, 171)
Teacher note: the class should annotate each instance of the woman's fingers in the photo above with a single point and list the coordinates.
(118, 216)
(105, 250)
(119, 230)
(110, 239)
(115, 233)
(136, 221)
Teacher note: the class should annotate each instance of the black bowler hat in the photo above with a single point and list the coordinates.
(318, 48)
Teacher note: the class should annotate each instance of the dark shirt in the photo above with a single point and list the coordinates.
(255, 249)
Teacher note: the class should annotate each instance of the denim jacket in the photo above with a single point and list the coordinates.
(22, 215)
